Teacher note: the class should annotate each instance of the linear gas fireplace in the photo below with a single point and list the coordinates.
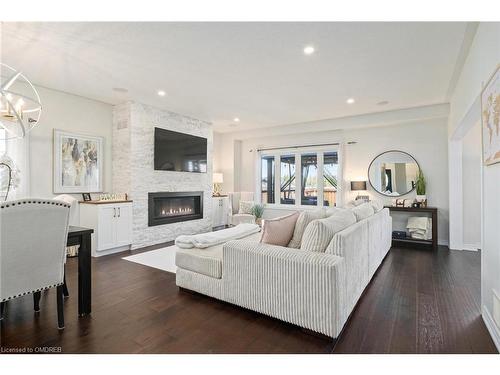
(166, 208)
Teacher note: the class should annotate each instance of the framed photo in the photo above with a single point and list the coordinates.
(490, 119)
(78, 163)
(86, 197)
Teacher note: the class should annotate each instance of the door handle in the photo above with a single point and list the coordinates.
(119, 212)
(114, 212)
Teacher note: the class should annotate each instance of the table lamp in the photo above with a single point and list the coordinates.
(359, 186)
(218, 179)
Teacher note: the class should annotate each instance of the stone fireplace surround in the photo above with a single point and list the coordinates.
(133, 171)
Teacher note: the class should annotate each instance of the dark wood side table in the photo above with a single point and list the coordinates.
(408, 241)
(82, 236)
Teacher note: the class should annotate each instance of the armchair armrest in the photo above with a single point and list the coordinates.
(297, 286)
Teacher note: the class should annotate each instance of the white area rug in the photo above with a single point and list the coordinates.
(163, 259)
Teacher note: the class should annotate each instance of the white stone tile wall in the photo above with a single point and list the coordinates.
(133, 169)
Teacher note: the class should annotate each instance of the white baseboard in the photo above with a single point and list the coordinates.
(491, 326)
(97, 254)
(471, 247)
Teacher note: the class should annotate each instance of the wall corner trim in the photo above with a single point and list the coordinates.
(491, 326)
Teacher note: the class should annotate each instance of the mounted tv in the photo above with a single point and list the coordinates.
(179, 152)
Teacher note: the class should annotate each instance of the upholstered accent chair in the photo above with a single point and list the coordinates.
(33, 235)
(235, 217)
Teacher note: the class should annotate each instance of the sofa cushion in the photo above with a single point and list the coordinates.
(303, 220)
(320, 232)
(279, 231)
(363, 211)
(246, 207)
(206, 261)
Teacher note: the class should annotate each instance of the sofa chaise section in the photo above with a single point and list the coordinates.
(314, 290)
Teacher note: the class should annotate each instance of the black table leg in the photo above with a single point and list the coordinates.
(84, 276)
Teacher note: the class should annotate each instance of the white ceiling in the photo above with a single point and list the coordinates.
(254, 71)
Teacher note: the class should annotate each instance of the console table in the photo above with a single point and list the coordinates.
(408, 241)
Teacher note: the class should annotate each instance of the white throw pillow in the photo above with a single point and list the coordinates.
(377, 206)
(279, 231)
(320, 232)
(363, 211)
(329, 211)
(304, 219)
(246, 207)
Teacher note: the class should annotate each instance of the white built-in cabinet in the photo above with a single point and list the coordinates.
(220, 207)
(112, 224)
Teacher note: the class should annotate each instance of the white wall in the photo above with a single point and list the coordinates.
(483, 58)
(471, 188)
(425, 139)
(70, 113)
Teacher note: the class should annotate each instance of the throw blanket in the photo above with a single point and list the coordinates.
(204, 240)
(420, 228)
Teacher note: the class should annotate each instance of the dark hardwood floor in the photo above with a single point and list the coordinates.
(418, 302)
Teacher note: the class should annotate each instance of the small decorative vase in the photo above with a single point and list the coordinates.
(258, 221)
(422, 199)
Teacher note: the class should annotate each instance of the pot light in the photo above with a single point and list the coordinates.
(383, 102)
(350, 101)
(161, 93)
(308, 50)
(236, 119)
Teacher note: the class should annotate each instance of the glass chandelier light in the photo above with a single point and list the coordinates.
(20, 106)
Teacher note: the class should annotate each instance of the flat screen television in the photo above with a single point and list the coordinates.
(179, 152)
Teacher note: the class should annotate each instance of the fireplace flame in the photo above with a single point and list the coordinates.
(179, 211)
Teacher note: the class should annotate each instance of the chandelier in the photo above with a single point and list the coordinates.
(20, 106)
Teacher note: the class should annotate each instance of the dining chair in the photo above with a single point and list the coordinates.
(33, 235)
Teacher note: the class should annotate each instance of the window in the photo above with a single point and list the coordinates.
(305, 177)
(267, 179)
(330, 173)
(287, 186)
(309, 192)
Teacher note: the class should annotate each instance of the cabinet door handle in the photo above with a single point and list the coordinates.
(119, 212)
(114, 212)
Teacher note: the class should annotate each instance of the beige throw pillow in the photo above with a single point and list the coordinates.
(320, 232)
(246, 207)
(377, 206)
(363, 211)
(279, 231)
(304, 219)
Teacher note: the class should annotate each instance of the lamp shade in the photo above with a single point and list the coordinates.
(218, 178)
(358, 185)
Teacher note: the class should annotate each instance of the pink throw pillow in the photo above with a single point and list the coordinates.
(279, 231)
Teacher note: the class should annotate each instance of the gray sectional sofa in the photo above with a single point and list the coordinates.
(314, 290)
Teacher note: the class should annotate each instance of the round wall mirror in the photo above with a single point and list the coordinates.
(393, 173)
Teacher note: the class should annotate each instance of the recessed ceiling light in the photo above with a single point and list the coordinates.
(161, 93)
(236, 119)
(120, 90)
(232, 125)
(383, 102)
(350, 101)
(308, 50)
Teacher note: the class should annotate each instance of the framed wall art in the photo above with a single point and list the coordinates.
(78, 163)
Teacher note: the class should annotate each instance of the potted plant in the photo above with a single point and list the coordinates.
(257, 211)
(420, 187)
